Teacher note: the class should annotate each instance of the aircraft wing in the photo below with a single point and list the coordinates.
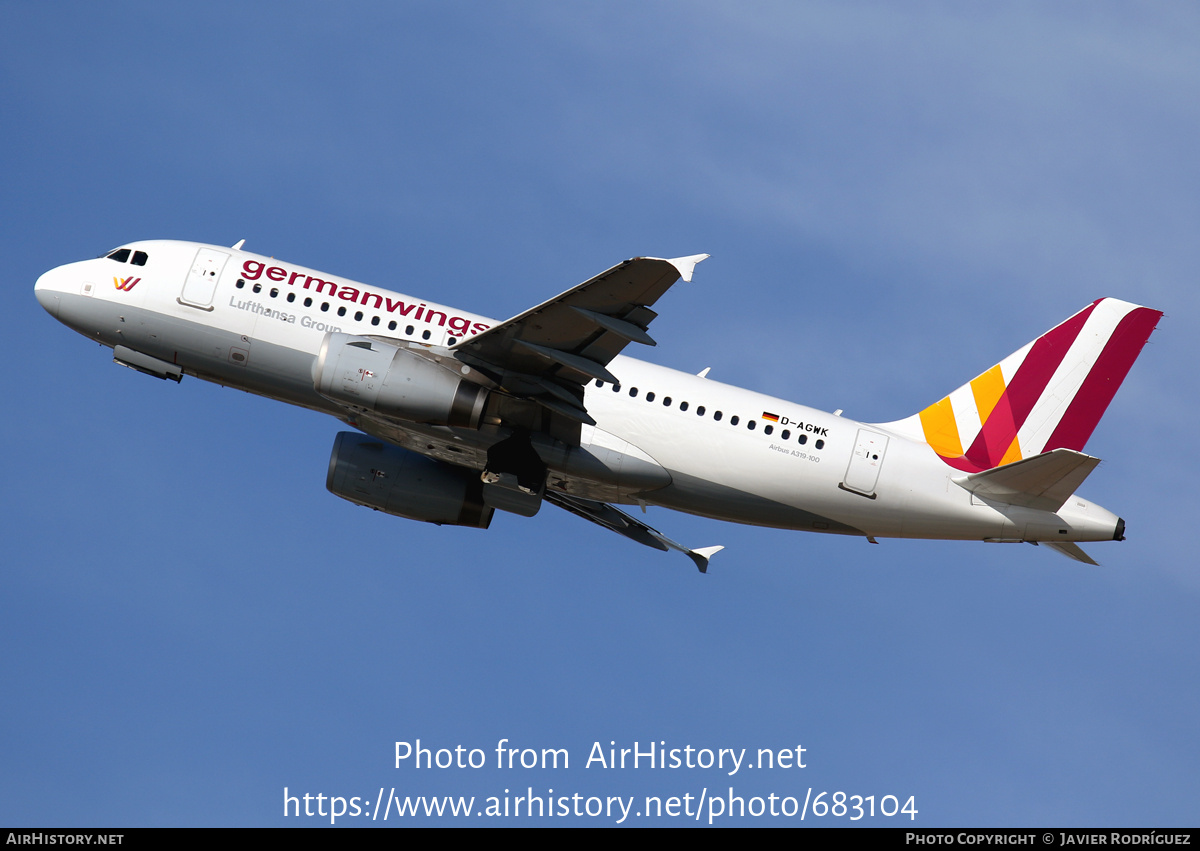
(551, 351)
(618, 521)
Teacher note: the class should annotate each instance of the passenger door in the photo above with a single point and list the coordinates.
(202, 279)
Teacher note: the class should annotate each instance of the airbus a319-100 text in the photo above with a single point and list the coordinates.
(456, 415)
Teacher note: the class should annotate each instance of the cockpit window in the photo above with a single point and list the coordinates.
(121, 255)
(140, 258)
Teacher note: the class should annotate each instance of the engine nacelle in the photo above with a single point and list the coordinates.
(369, 472)
(395, 382)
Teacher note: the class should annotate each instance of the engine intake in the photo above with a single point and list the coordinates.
(396, 382)
(369, 472)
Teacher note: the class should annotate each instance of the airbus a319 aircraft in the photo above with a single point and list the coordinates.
(457, 415)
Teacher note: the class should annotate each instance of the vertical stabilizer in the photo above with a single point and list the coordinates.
(1048, 395)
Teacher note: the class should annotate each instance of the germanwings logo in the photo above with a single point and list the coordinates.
(126, 284)
(1049, 395)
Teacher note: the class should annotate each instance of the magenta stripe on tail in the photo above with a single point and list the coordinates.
(1024, 390)
(1102, 382)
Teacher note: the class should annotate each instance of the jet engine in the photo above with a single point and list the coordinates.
(395, 382)
(369, 472)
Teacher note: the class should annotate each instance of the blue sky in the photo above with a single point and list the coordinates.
(893, 198)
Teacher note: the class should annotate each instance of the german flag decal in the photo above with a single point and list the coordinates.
(772, 417)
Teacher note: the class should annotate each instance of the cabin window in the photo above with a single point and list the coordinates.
(324, 306)
(358, 316)
(785, 434)
(700, 411)
(768, 429)
(650, 396)
(666, 401)
(632, 391)
(408, 330)
(733, 420)
(341, 311)
(820, 444)
(291, 297)
(274, 292)
(374, 320)
(599, 383)
(308, 301)
(450, 341)
(392, 325)
(240, 283)
(683, 406)
(750, 424)
(803, 439)
(424, 335)
(257, 288)
(717, 416)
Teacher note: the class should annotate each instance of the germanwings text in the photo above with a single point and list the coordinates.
(460, 326)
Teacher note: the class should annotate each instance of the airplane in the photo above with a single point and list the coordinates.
(456, 415)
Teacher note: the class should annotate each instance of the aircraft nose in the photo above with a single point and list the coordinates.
(47, 295)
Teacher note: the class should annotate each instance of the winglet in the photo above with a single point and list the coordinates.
(702, 555)
(686, 265)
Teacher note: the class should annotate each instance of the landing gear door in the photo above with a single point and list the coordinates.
(863, 472)
(201, 283)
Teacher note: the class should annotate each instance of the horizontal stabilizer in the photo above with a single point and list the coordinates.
(1072, 551)
(1043, 482)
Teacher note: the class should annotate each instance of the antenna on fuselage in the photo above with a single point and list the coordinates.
(237, 246)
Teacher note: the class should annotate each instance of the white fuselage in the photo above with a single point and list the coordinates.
(257, 324)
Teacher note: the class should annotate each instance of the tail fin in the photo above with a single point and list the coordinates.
(1048, 395)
